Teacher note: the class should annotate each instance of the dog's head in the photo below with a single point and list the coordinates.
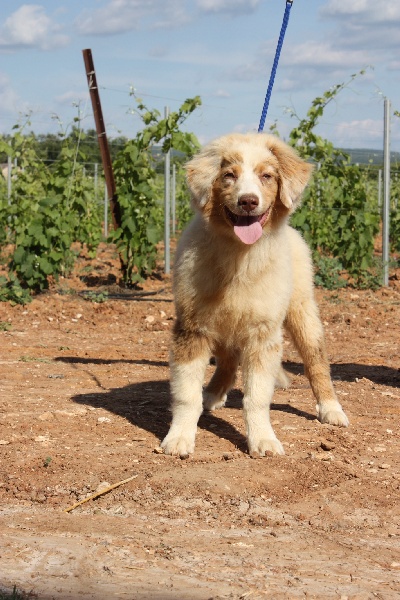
(244, 183)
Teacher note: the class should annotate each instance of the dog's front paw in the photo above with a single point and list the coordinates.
(212, 401)
(178, 445)
(264, 446)
(332, 414)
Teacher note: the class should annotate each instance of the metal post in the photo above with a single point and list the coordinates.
(173, 199)
(386, 193)
(9, 170)
(105, 212)
(167, 209)
(96, 180)
(379, 189)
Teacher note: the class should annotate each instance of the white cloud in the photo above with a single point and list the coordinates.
(302, 64)
(363, 11)
(222, 94)
(72, 98)
(323, 54)
(228, 6)
(370, 24)
(30, 27)
(9, 99)
(353, 133)
(119, 16)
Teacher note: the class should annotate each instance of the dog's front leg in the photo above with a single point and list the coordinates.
(260, 366)
(189, 358)
(305, 327)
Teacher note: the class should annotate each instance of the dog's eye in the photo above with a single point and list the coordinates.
(230, 176)
(266, 176)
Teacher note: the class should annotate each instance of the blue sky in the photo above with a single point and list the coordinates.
(222, 50)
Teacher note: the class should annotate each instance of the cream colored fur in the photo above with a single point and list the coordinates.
(233, 298)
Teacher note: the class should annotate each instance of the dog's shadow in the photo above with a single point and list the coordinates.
(146, 405)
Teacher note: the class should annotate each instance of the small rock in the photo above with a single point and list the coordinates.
(103, 420)
(158, 450)
(384, 466)
(4, 442)
(150, 319)
(41, 438)
(102, 486)
(46, 416)
(228, 456)
(327, 446)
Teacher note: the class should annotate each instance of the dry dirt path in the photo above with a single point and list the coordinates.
(83, 402)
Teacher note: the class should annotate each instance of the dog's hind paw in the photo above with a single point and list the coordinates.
(212, 401)
(283, 379)
(178, 446)
(265, 446)
(332, 414)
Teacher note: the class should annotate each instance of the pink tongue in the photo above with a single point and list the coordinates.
(248, 233)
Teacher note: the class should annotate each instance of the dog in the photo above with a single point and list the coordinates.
(241, 275)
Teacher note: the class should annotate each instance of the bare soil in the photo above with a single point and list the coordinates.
(84, 403)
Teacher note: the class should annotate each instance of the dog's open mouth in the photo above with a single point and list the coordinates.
(248, 228)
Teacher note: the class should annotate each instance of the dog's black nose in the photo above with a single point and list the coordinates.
(248, 202)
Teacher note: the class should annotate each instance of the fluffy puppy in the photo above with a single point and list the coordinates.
(241, 275)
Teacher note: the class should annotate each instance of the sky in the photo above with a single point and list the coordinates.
(222, 50)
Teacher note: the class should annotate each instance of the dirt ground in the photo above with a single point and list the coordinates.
(84, 404)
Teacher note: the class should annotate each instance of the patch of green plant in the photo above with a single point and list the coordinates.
(16, 594)
(49, 209)
(11, 291)
(5, 326)
(136, 180)
(394, 233)
(328, 272)
(334, 299)
(27, 358)
(43, 244)
(98, 297)
(337, 217)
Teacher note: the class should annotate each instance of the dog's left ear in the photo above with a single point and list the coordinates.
(294, 172)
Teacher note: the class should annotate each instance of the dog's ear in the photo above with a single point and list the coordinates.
(201, 172)
(294, 172)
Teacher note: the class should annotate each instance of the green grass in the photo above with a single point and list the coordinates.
(16, 594)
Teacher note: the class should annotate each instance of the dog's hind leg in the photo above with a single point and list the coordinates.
(305, 328)
(283, 379)
(190, 355)
(223, 379)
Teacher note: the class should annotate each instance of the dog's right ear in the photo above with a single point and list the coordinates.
(201, 172)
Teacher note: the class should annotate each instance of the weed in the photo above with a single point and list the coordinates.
(98, 297)
(16, 594)
(27, 358)
(11, 291)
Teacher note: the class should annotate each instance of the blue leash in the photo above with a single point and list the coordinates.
(275, 65)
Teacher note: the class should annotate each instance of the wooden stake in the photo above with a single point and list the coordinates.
(101, 493)
(102, 138)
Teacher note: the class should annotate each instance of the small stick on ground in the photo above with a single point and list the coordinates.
(101, 493)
